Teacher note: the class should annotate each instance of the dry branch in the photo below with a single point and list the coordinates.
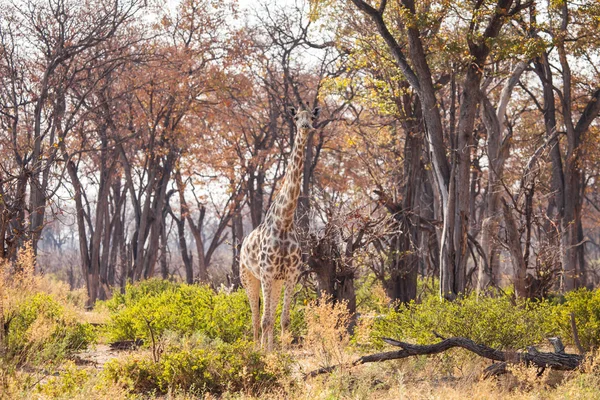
(558, 360)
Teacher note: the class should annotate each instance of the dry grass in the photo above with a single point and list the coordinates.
(420, 379)
(17, 280)
(327, 336)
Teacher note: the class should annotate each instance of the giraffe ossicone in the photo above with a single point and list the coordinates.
(270, 257)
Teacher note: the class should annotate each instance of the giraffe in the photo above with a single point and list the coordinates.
(270, 257)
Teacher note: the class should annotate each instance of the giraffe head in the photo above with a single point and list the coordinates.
(304, 118)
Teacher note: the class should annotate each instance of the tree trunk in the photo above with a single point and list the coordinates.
(185, 255)
(256, 183)
(516, 252)
(237, 235)
(404, 252)
(334, 272)
(453, 183)
(498, 148)
(164, 244)
(303, 210)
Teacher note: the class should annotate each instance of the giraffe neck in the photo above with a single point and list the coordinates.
(281, 212)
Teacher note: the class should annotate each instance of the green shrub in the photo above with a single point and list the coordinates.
(199, 367)
(371, 296)
(40, 329)
(186, 309)
(66, 384)
(585, 305)
(494, 321)
(38, 324)
(497, 321)
(180, 308)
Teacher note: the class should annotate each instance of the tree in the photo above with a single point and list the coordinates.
(567, 180)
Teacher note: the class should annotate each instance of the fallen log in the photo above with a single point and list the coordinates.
(558, 360)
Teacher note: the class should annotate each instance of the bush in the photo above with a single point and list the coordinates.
(302, 298)
(585, 305)
(65, 385)
(201, 366)
(185, 309)
(40, 329)
(497, 322)
(371, 296)
(37, 327)
(180, 308)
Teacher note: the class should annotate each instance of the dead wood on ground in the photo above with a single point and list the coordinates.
(558, 360)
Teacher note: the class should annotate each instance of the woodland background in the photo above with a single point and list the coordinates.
(458, 140)
(449, 191)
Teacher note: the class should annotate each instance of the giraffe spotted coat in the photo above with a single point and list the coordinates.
(270, 258)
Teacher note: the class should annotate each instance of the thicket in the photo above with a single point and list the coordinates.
(585, 306)
(40, 329)
(38, 317)
(500, 320)
(204, 336)
(155, 307)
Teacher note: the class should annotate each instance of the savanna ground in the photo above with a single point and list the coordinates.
(197, 344)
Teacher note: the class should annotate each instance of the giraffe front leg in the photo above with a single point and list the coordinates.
(288, 293)
(252, 286)
(276, 290)
(266, 322)
(271, 293)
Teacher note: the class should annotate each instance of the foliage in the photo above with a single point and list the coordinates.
(66, 384)
(183, 309)
(498, 321)
(201, 366)
(585, 305)
(179, 308)
(40, 329)
(371, 296)
(301, 300)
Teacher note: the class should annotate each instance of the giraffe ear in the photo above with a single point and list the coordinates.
(316, 112)
(292, 111)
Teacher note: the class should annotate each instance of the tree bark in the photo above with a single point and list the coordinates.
(333, 266)
(185, 255)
